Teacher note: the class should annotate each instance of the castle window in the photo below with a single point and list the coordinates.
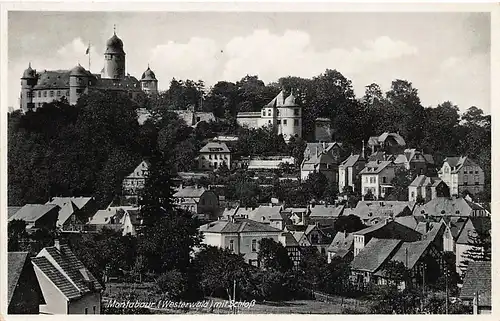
(296, 112)
(296, 122)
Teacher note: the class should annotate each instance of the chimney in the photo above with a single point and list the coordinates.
(363, 150)
(57, 244)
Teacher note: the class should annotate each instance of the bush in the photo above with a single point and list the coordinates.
(172, 284)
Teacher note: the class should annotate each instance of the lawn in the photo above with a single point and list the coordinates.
(145, 293)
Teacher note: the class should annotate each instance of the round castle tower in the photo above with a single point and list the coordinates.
(79, 79)
(284, 114)
(28, 82)
(149, 83)
(114, 59)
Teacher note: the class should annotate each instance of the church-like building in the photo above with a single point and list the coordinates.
(38, 88)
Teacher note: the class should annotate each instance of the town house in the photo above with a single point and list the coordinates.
(38, 216)
(241, 236)
(376, 178)
(24, 293)
(135, 181)
(427, 188)
(462, 174)
(321, 158)
(415, 161)
(75, 212)
(214, 155)
(349, 172)
(196, 200)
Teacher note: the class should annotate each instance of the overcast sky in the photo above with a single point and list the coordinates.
(445, 55)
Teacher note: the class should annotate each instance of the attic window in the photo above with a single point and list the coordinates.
(457, 212)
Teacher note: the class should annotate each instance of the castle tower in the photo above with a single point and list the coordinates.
(28, 81)
(149, 83)
(289, 118)
(79, 79)
(114, 59)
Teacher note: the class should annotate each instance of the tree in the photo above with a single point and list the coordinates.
(316, 185)
(349, 224)
(400, 183)
(274, 256)
(479, 248)
(396, 272)
(17, 236)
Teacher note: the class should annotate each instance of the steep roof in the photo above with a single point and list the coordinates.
(456, 163)
(290, 240)
(53, 79)
(215, 147)
(68, 273)
(15, 265)
(78, 201)
(342, 242)
(351, 160)
(33, 212)
(477, 280)
(376, 140)
(424, 181)
(472, 226)
(410, 252)
(320, 210)
(408, 221)
(374, 254)
(375, 167)
(190, 192)
(237, 226)
(103, 216)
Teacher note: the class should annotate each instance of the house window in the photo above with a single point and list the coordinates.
(231, 245)
(254, 245)
(58, 93)
(86, 310)
(284, 122)
(466, 178)
(279, 121)
(296, 122)
(51, 93)
(95, 309)
(263, 113)
(296, 112)
(39, 94)
(269, 121)
(215, 164)
(384, 179)
(67, 92)
(269, 112)
(44, 93)
(210, 156)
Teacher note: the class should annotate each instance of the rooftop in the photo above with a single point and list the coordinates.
(374, 254)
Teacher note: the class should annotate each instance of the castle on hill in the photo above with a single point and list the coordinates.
(38, 88)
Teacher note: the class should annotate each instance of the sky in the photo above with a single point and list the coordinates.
(446, 56)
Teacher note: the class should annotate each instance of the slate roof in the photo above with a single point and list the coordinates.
(67, 209)
(190, 192)
(290, 239)
(374, 254)
(408, 221)
(342, 243)
(238, 226)
(79, 201)
(320, 210)
(477, 280)
(447, 206)
(375, 167)
(415, 251)
(424, 181)
(15, 265)
(370, 209)
(103, 216)
(473, 225)
(351, 161)
(456, 163)
(268, 212)
(11, 210)
(67, 272)
(215, 147)
(33, 212)
(374, 140)
(53, 79)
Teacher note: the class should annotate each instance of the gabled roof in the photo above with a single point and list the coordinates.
(410, 252)
(472, 226)
(341, 241)
(103, 216)
(237, 226)
(267, 212)
(424, 181)
(320, 210)
(68, 273)
(53, 79)
(408, 221)
(371, 209)
(375, 167)
(290, 240)
(15, 265)
(477, 280)
(11, 210)
(215, 147)
(374, 254)
(351, 160)
(440, 206)
(374, 140)
(79, 201)
(190, 192)
(456, 163)
(33, 212)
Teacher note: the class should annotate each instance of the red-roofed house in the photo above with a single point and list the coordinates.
(67, 285)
